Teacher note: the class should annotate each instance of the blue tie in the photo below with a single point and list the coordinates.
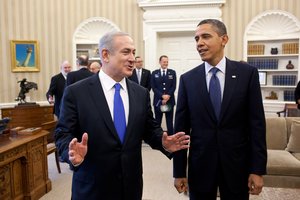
(215, 91)
(119, 113)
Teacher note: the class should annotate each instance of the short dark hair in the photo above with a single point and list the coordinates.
(217, 25)
(163, 56)
(83, 60)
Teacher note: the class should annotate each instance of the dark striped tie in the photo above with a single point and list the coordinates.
(215, 91)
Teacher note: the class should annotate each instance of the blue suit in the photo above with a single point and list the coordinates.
(161, 86)
(231, 148)
(111, 170)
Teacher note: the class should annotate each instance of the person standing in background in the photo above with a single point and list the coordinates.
(163, 84)
(82, 72)
(57, 86)
(140, 75)
(104, 119)
(297, 94)
(220, 106)
(95, 67)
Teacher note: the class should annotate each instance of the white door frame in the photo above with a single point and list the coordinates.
(173, 16)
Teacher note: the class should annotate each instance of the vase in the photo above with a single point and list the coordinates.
(290, 65)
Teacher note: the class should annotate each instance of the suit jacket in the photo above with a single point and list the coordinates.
(56, 89)
(297, 94)
(161, 86)
(145, 78)
(111, 170)
(78, 75)
(237, 143)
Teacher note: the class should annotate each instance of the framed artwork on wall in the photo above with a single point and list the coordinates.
(24, 56)
(262, 78)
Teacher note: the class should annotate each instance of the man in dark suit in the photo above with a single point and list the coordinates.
(82, 72)
(107, 161)
(140, 75)
(163, 83)
(57, 86)
(220, 106)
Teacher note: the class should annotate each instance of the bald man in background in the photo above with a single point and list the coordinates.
(82, 72)
(95, 67)
(57, 86)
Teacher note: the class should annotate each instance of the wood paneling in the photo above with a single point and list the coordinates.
(28, 116)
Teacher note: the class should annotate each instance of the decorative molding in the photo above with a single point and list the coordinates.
(90, 31)
(166, 16)
(273, 24)
(162, 3)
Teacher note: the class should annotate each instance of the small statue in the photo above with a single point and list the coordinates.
(273, 95)
(25, 87)
(290, 65)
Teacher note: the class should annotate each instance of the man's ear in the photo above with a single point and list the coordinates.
(105, 55)
(225, 39)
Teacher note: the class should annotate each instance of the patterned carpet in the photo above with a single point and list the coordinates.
(278, 194)
(158, 181)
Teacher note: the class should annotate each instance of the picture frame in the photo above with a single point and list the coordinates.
(262, 78)
(25, 56)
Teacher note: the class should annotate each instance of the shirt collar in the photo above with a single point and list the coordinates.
(108, 83)
(221, 66)
(162, 70)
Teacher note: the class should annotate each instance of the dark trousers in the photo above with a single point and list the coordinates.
(225, 192)
(169, 118)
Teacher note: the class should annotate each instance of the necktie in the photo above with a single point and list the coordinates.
(119, 113)
(215, 91)
(164, 73)
(139, 76)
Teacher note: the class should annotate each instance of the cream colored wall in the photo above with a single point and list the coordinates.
(52, 23)
(237, 14)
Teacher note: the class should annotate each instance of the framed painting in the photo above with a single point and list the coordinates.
(24, 56)
(262, 78)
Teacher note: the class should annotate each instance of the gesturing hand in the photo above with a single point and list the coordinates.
(175, 142)
(77, 151)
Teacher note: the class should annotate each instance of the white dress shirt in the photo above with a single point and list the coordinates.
(109, 91)
(221, 74)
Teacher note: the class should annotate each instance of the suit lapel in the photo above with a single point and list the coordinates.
(204, 95)
(142, 77)
(98, 97)
(62, 81)
(132, 104)
(134, 74)
(229, 87)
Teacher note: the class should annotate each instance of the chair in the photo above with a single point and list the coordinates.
(51, 148)
(290, 110)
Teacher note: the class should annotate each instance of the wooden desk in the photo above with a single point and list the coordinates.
(23, 166)
(28, 115)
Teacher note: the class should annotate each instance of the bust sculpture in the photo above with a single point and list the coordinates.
(25, 86)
